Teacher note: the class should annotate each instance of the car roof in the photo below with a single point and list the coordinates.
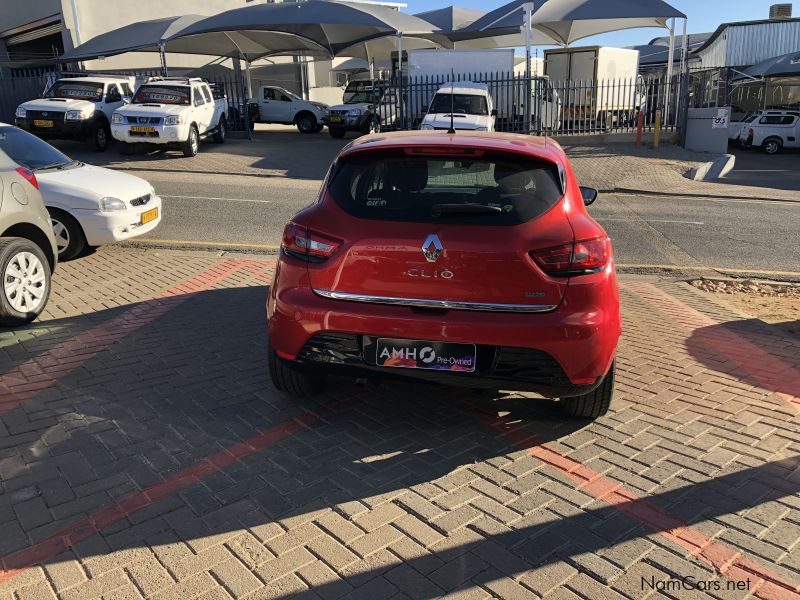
(539, 147)
(463, 87)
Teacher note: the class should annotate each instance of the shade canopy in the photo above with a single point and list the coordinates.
(329, 28)
(451, 18)
(144, 35)
(566, 21)
(786, 65)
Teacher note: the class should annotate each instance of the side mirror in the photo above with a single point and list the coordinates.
(589, 195)
(494, 112)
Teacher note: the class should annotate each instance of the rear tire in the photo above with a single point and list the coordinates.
(771, 146)
(293, 382)
(337, 132)
(594, 404)
(70, 239)
(18, 305)
(222, 130)
(192, 145)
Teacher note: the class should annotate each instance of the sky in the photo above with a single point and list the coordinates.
(704, 15)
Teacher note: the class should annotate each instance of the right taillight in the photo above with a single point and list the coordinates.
(579, 258)
(300, 242)
(750, 133)
(29, 176)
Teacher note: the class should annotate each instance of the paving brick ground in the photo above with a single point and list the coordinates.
(145, 454)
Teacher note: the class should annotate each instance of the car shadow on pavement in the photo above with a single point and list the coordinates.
(195, 381)
(752, 351)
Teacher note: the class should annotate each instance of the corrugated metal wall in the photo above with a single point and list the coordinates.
(752, 44)
(746, 45)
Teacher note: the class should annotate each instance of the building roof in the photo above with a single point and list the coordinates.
(719, 31)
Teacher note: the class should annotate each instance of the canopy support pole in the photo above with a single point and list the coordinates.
(527, 18)
(162, 51)
(400, 95)
(371, 69)
(248, 78)
(669, 68)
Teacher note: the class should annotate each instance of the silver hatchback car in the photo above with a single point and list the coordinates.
(28, 251)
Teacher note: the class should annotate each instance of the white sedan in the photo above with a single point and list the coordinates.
(88, 205)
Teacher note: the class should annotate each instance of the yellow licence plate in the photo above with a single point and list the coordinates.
(149, 215)
(335, 119)
(42, 123)
(140, 129)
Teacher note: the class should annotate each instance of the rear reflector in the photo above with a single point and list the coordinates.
(300, 242)
(29, 176)
(581, 258)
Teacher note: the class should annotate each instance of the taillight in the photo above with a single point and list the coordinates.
(29, 175)
(750, 133)
(581, 258)
(300, 242)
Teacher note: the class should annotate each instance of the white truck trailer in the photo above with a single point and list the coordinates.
(598, 85)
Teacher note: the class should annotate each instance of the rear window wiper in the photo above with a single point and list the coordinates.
(51, 166)
(437, 210)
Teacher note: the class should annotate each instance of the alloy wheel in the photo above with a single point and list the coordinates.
(25, 282)
(61, 234)
(194, 142)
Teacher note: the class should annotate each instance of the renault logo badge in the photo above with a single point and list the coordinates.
(432, 248)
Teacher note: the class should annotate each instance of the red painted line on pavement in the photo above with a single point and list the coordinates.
(18, 562)
(40, 372)
(769, 371)
(727, 561)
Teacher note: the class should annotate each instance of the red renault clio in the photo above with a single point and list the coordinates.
(466, 259)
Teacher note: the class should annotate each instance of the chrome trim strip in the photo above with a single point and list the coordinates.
(447, 304)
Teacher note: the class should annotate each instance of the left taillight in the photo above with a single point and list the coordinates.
(305, 244)
(579, 258)
(29, 175)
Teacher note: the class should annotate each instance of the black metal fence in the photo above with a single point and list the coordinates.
(539, 105)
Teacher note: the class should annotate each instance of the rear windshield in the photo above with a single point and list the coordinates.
(408, 188)
(468, 104)
(83, 90)
(162, 94)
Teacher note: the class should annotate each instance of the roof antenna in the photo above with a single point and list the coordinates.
(452, 104)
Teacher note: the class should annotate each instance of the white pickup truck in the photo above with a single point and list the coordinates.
(465, 105)
(278, 105)
(76, 108)
(171, 111)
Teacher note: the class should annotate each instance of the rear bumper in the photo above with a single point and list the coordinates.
(499, 367)
(567, 351)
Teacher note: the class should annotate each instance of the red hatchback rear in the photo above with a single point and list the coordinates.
(466, 259)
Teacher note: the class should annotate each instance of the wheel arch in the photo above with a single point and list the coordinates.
(301, 113)
(33, 233)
